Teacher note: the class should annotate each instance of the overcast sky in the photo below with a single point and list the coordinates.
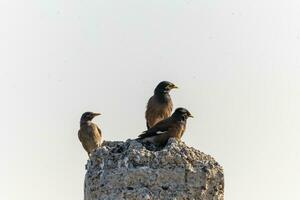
(236, 63)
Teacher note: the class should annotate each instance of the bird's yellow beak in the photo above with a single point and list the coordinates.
(96, 114)
(172, 87)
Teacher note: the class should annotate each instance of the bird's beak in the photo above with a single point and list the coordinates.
(172, 87)
(96, 114)
(191, 116)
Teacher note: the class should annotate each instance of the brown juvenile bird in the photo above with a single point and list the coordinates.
(173, 126)
(89, 133)
(160, 105)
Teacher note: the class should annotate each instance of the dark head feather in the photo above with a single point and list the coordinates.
(181, 114)
(88, 116)
(164, 87)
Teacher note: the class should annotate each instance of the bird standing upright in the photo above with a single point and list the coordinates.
(89, 133)
(174, 126)
(160, 105)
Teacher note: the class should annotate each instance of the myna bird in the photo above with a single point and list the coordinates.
(174, 126)
(160, 105)
(89, 133)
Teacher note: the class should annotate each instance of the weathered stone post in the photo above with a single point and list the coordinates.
(128, 170)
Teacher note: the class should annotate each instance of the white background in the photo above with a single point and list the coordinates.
(236, 63)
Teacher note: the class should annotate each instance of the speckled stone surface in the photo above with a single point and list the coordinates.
(128, 170)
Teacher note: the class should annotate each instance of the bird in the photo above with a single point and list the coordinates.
(173, 126)
(160, 105)
(89, 133)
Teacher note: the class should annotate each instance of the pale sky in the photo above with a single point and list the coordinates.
(236, 63)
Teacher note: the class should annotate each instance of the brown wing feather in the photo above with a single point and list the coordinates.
(157, 111)
(84, 139)
(90, 137)
(99, 131)
(169, 127)
(160, 126)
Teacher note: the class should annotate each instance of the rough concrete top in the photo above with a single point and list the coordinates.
(131, 170)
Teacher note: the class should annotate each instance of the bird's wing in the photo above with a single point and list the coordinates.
(80, 135)
(84, 139)
(99, 130)
(160, 128)
(157, 111)
(149, 110)
(96, 133)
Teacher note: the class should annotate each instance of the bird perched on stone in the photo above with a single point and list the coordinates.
(89, 133)
(174, 126)
(160, 105)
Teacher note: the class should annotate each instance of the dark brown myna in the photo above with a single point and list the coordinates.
(160, 105)
(89, 133)
(173, 126)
